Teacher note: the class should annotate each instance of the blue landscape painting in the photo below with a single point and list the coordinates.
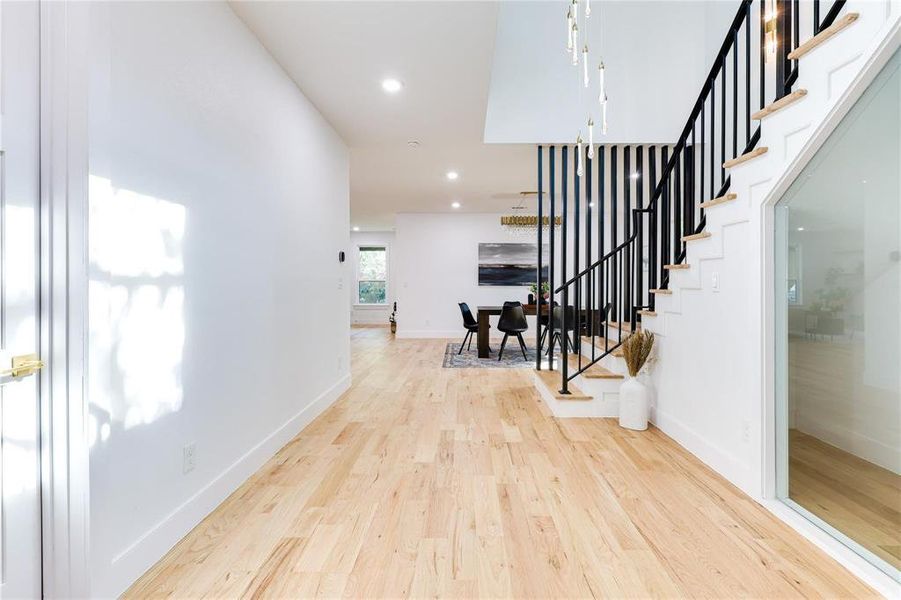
(509, 264)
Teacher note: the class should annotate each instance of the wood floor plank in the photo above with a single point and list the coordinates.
(459, 483)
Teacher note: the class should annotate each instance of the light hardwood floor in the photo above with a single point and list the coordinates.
(424, 481)
(860, 499)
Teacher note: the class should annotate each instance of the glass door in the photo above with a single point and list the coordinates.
(838, 330)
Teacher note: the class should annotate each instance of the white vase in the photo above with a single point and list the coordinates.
(634, 404)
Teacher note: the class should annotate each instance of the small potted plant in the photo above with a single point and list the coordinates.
(393, 318)
(545, 289)
(634, 403)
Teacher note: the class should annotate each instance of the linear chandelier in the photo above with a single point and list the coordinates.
(527, 225)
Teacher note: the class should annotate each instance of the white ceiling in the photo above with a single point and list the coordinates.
(443, 52)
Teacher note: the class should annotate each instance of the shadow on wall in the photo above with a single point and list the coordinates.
(136, 308)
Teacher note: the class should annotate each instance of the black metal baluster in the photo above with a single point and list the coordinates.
(614, 234)
(564, 335)
(589, 288)
(654, 234)
(540, 247)
(669, 196)
(602, 206)
(747, 73)
(577, 282)
(713, 168)
(639, 204)
(796, 26)
(722, 130)
(690, 213)
(762, 53)
(816, 16)
(552, 267)
(783, 40)
(627, 227)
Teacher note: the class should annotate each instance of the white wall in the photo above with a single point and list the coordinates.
(436, 260)
(218, 204)
(362, 314)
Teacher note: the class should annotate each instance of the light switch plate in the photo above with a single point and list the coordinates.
(716, 281)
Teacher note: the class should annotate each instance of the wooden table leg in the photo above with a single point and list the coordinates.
(483, 334)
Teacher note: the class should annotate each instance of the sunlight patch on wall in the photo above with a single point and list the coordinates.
(135, 308)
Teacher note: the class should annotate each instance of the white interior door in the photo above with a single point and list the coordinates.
(20, 502)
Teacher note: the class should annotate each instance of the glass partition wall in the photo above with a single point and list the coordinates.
(838, 330)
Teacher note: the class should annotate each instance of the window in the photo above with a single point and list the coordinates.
(372, 275)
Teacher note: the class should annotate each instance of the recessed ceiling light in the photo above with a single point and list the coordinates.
(355, 228)
(591, 205)
(800, 229)
(863, 180)
(392, 86)
(455, 205)
(452, 175)
(634, 175)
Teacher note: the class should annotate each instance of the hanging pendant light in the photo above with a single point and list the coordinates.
(569, 30)
(585, 64)
(602, 97)
(587, 8)
(575, 47)
(579, 169)
(590, 138)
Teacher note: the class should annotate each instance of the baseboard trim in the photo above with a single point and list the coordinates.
(132, 562)
(725, 464)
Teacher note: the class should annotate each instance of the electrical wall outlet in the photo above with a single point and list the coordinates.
(188, 457)
(340, 283)
(745, 431)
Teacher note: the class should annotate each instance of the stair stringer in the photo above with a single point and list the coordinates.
(714, 352)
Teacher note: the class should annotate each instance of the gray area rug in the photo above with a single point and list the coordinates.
(469, 359)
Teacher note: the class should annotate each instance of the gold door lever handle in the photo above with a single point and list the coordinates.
(23, 365)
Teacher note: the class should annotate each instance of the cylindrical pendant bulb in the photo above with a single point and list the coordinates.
(585, 65)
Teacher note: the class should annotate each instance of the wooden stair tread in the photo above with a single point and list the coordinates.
(552, 381)
(759, 151)
(647, 313)
(779, 104)
(696, 236)
(680, 266)
(719, 200)
(823, 36)
(661, 291)
(595, 371)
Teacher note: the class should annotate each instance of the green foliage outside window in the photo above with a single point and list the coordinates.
(372, 284)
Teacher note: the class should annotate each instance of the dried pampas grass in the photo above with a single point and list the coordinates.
(636, 350)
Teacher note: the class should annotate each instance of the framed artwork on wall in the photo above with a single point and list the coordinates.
(509, 264)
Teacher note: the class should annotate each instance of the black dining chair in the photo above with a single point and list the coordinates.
(558, 335)
(471, 325)
(512, 322)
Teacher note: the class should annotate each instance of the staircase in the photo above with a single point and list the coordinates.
(766, 94)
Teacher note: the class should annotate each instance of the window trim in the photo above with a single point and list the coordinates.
(357, 280)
